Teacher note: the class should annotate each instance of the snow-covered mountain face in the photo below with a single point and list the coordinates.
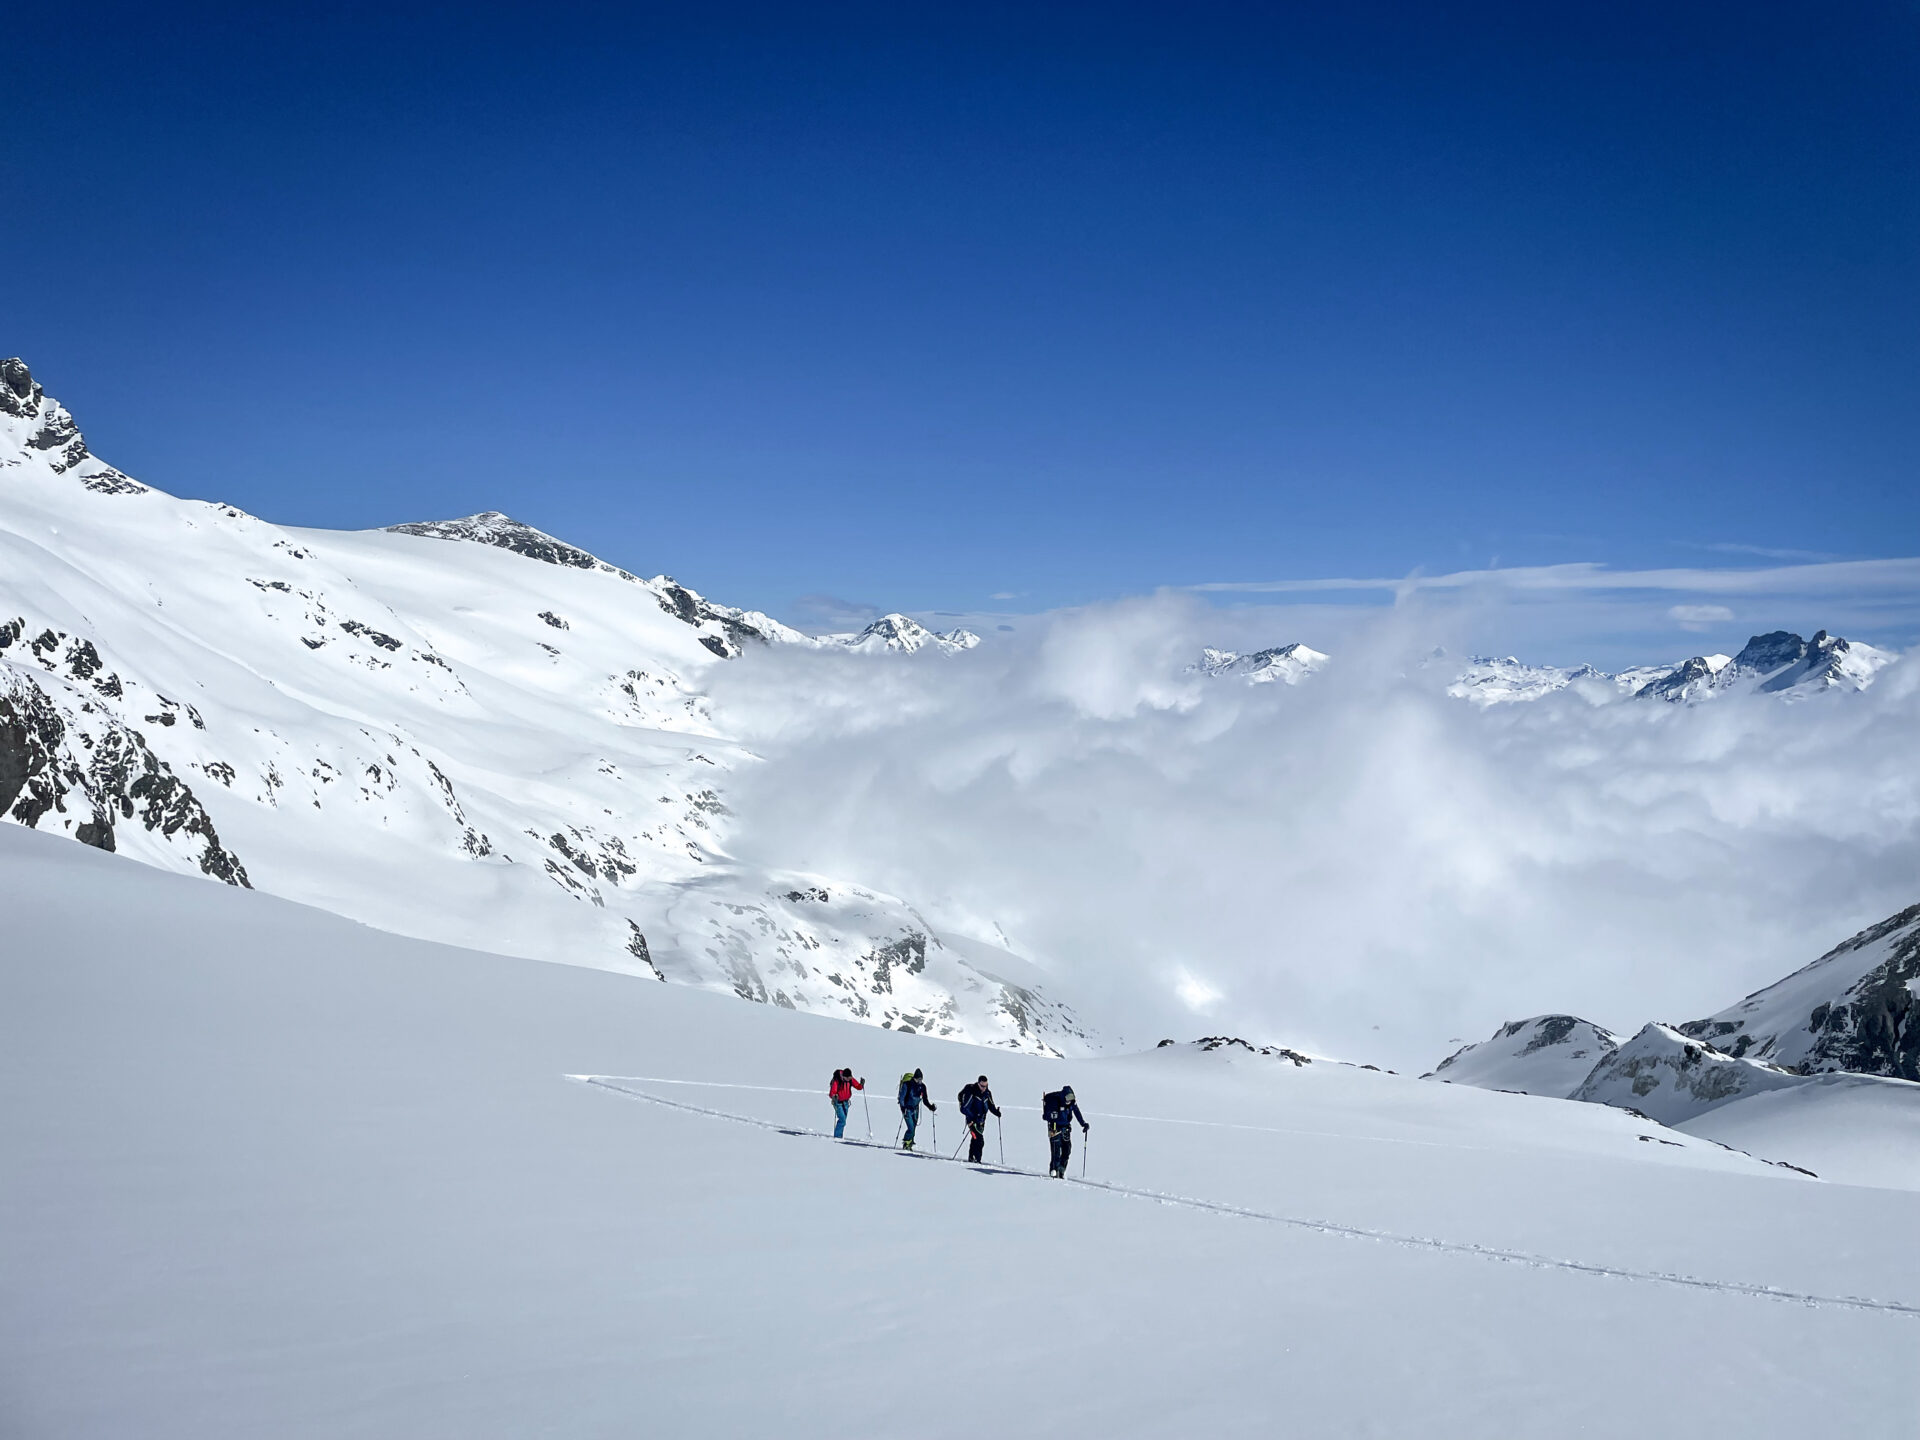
(465, 731)
(1839, 1039)
(1544, 1055)
(903, 635)
(1285, 664)
(1673, 1078)
(1856, 1008)
(1779, 663)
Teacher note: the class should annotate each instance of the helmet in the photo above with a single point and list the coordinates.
(1066, 1089)
(918, 1076)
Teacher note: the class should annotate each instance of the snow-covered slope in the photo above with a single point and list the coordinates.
(1544, 1055)
(1490, 681)
(1285, 664)
(1855, 1008)
(1856, 1129)
(270, 1173)
(467, 731)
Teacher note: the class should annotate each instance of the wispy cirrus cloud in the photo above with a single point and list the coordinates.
(1699, 617)
(1897, 575)
(1765, 552)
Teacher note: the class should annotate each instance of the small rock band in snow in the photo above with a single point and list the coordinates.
(1058, 1108)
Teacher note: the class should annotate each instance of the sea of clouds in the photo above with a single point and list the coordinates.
(1360, 865)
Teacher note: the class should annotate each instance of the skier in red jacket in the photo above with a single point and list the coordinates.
(840, 1091)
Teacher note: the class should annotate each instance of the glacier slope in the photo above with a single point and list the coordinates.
(276, 1173)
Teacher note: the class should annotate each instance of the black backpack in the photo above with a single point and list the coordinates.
(1050, 1107)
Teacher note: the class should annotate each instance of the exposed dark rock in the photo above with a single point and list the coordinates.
(47, 767)
(637, 947)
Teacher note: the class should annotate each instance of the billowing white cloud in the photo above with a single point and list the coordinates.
(1354, 852)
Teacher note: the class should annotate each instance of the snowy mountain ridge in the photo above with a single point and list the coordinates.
(1285, 664)
(466, 731)
(1778, 663)
(1823, 1062)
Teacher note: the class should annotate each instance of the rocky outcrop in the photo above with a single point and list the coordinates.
(67, 765)
(44, 425)
(1671, 1077)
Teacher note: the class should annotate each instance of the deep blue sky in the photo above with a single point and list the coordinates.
(916, 309)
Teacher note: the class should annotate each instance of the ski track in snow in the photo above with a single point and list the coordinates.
(1323, 1227)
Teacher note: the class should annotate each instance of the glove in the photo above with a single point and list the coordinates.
(1084, 1127)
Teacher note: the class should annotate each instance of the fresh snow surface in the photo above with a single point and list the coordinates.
(1544, 1055)
(1860, 1129)
(274, 1173)
(467, 731)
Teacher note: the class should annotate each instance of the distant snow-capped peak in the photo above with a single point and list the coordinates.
(1286, 664)
(1777, 663)
(905, 635)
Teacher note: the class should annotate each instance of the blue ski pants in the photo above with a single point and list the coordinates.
(840, 1117)
(912, 1116)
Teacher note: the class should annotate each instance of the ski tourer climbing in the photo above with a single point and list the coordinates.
(840, 1091)
(976, 1103)
(1059, 1109)
(913, 1093)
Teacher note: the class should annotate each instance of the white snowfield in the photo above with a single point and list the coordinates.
(272, 1173)
(467, 731)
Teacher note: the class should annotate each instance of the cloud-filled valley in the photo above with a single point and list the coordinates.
(1360, 863)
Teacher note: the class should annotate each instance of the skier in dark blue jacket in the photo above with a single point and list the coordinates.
(976, 1103)
(1059, 1109)
(913, 1094)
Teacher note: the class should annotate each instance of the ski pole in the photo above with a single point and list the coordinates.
(869, 1112)
(896, 1130)
(1000, 1129)
(958, 1148)
(1086, 1149)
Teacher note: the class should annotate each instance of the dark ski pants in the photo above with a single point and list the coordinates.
(840, 1117)
(977, 1143)
(1062, 1143)
(911, 1114)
